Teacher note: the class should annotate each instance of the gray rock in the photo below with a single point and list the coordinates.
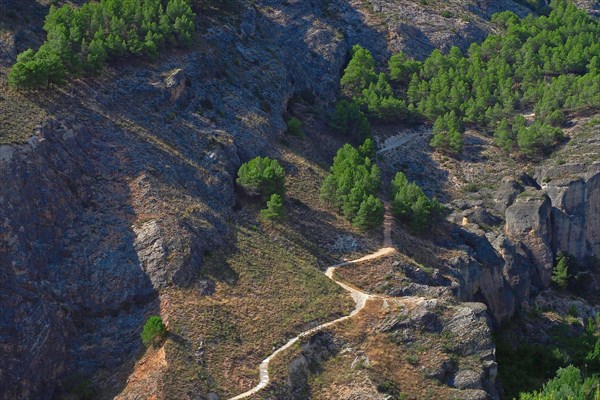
(420, 318)
(467, 379)
(471, 394)
(528, 221)
(206, 287)
(482, 217)
(176, 83)
(576, 215)
(507, 194)
(442, 371)
(319, 348)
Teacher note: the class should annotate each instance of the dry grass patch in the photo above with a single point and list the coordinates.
(19, 117)
(264, 295)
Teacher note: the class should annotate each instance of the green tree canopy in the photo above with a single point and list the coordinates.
(81, 39)
(348, 119)
(351, 186)
(560, 273)
(262, 176)
(153, 331)
(275, 210)
(359, 73)
(567, 385)
(410, 204)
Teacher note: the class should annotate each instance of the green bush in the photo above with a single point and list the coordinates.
(81, 40)
(262, 176)
(153, 331)
(525, 366)
(351, 186)
(275, 210)
(410, 204)
(567, 385)
(359, 72)
(560, 273)
(294, 126)
(348, 119)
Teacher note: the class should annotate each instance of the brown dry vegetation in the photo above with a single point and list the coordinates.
(370, 358)
(269, 286)
(375, 276)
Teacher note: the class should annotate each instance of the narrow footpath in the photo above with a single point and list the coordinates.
(360, 299)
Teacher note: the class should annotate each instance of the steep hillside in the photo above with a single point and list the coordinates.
(118, 202)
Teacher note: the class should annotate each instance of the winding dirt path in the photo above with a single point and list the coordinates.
(360, 299)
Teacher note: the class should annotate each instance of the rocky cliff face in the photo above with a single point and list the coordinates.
(128, 178)
(87, 249)
(574, 191)
(562, 216)
(127, 182)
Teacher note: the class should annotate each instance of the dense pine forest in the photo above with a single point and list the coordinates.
(546, 66)
(81, 40)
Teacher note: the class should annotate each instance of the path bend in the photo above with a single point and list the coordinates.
(360, 299)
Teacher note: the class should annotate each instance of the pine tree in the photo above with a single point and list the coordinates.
(262, 176)
(370, 213)
(153, 331)
(560, 273)
(359, 73)
(275, 210)
(350, 120)
(421, 213)
(353, 178)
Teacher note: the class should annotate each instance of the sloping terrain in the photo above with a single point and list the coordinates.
(118, 201)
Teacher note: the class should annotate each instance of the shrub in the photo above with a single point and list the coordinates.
(294, 127)
(348, 119)
(351, 186)
(153, 331)
(560, 273)
(275, 210)
(262, 176)
(568, 385)
(359, 72)
(410, 204)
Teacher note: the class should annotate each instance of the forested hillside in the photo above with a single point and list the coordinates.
(548, 66)
(81, 40)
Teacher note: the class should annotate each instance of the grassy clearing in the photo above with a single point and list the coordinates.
(268, 288)
(19, 117)
(377, 276)
(265, 294)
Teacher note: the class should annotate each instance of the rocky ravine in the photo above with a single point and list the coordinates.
(128, 179)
